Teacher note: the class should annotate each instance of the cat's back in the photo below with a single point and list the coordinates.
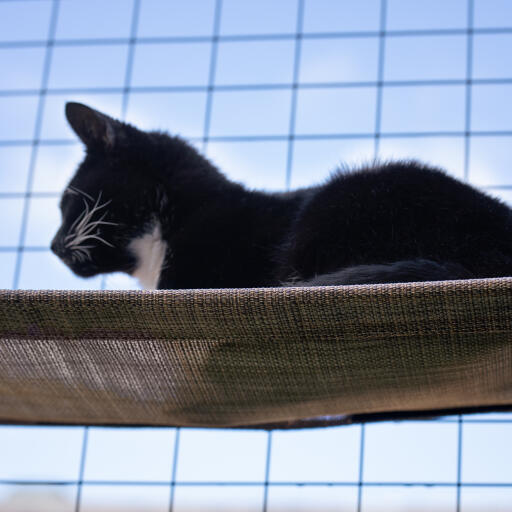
(396, 187)
(394, 211)
(403, 181)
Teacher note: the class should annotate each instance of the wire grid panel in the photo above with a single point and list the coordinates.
(278, 94)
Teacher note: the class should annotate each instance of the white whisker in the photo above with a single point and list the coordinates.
(96, 237)
(76, 220)
(92, 225)
(78, 191)
(83, 253)
(84, 228)
(86, 217)
(78, 256)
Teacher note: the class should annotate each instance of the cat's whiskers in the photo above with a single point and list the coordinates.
(75, 190)
(84, 228)
(83, 219)
(89, 214)
(82, 252)
(78, 256)
(70, 235)
(94, 237)
(92, 225)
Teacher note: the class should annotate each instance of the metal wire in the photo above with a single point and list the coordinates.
(36, 137)
(290, 137)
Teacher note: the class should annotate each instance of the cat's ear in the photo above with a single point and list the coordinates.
(94, 128)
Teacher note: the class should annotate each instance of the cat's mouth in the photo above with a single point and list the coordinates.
(80, 266)
(83, 271)
(90, 269)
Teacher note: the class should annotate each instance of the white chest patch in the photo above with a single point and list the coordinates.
(149, 250)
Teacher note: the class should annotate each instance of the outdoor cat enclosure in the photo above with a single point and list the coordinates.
(272, 357)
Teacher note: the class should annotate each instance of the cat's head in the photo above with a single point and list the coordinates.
(104, 205)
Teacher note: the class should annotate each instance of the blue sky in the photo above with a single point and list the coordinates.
(420, 112)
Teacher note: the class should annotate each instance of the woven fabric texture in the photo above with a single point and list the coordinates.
(254, 356)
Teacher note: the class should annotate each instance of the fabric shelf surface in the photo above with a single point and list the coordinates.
(267, 357)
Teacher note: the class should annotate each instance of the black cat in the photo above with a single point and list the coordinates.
(149, 204)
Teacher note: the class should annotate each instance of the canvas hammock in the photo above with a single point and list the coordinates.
(268, 357)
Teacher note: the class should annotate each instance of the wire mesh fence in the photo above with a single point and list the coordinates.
(449, 464)
(278, 93)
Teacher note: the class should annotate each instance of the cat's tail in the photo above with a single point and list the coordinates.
(405, 271)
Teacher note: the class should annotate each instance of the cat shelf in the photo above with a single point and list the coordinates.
(274, 357)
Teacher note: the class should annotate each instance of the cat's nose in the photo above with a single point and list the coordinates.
(60, 250)
(57, 247)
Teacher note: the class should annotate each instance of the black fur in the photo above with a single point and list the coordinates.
(392, 222)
